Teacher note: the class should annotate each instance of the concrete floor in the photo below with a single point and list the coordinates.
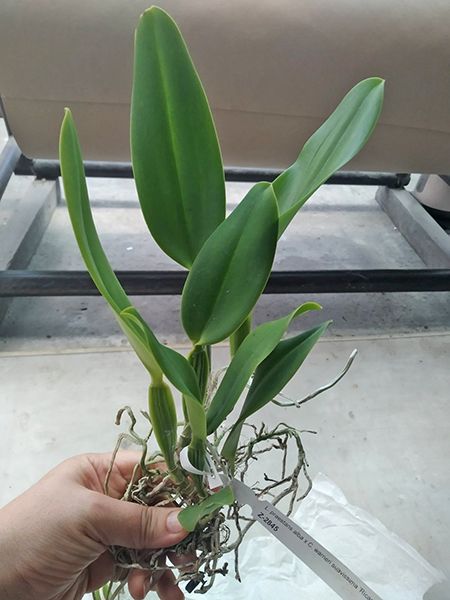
(382, 434)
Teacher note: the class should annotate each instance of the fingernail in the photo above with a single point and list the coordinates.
(173, 524)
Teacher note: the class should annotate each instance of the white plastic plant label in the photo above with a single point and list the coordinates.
(329, 568)
(214, 479)
(389, 566)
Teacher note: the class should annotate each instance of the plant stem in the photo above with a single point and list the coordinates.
(186, 434)
(163, 416)
(199, 360)
(240, 334)
(197, 452)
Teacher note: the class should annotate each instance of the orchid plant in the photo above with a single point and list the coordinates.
(179, 177)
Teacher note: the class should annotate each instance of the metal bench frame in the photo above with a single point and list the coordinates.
(22, 282)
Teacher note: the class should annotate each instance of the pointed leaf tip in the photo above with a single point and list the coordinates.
(333, 145)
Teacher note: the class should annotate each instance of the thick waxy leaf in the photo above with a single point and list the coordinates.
(231, 444)
(254, 349)
(336, 142)
(176, 157)
(278, 369)
(139, 343)
(155, 357)
(74, 180)
(231, 270)
(175, 367)
(190, 516)
(197, 417)
(270, 378)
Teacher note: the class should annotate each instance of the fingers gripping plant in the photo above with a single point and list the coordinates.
(180, 182)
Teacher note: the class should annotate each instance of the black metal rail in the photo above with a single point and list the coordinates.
(161, 283)
(50, 169)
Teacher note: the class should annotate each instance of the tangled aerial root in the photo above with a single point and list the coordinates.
(224, 531)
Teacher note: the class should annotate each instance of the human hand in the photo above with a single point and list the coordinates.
(54, 538)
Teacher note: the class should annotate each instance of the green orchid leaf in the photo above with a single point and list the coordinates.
(336, 142)
(197, 417)
(175, 152)
(231, 270)
(155, 357)
(254, 349)
(270, 378)
(74, 180)
(139, 343)
(175, 367)
(278, 369)
(231, 444)
(190, 516)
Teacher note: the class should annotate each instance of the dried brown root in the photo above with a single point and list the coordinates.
(224, 531)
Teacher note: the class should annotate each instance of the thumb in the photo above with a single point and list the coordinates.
(120, 523)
